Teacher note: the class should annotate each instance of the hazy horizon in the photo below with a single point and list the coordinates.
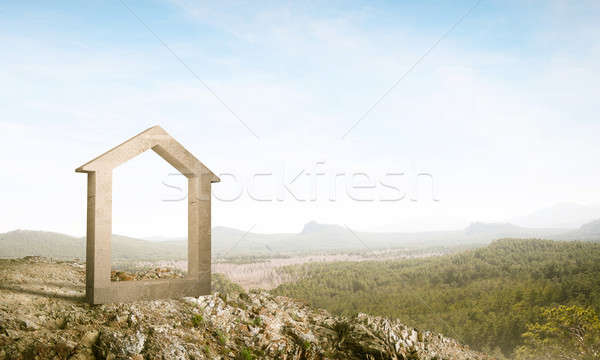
(530, 221)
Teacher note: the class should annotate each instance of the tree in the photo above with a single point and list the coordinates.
(564, 332)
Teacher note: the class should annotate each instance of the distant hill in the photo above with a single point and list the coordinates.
(21, 243)
(562, 215)
(314, 227)
(506, 230)
(503, 229)
(314, 238)
(589, 231)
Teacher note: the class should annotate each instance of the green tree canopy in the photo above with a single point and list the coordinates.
(563, 332)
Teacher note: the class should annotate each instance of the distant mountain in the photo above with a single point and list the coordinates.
(21, 243)
(589, 232)
(500, 229)
(228, 242)
(508, 230)
(314, 227)
(562, 215)
(591, 229)
(314, 238)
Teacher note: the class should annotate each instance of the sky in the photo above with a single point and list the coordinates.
(383, 116)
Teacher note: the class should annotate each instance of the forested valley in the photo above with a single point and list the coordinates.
(513, 298)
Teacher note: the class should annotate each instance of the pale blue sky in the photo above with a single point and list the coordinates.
(503, 112)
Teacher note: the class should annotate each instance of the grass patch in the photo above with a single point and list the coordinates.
(221, 337)
(257, 321)
(197, 320)
(246, 354)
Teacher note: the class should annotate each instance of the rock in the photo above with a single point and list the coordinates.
(64, 348)
(123, 276)
(13, 334)
(28, 324)
(119, 345)
(89, 338)
(163, 345)
(83, 354)
(132, 319)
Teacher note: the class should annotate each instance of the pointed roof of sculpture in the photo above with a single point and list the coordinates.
(157, 139)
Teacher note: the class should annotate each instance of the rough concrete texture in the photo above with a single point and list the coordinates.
(99, 289)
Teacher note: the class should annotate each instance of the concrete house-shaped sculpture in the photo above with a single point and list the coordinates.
(99, 288)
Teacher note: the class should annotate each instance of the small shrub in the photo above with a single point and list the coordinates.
(342, 329)
(221, 338)
(206, 350)
(412, 355)
(223, 297)
(222, 284)
(197, 320)
(257, 321)
(246, 354)
(295, 317)
(306, 345)
(240, 305)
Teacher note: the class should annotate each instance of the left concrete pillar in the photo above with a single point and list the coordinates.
(99, 232)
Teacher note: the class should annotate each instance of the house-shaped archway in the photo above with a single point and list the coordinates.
(99, 288)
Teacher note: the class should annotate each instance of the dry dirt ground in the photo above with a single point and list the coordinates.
(43, 316)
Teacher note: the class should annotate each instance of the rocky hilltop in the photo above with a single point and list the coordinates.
(43, 316)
